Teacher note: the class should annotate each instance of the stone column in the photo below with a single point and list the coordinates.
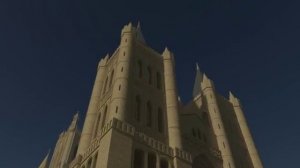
(217, 122)
(254, 156)
(171, 101)
(87, 131)
(121, 87)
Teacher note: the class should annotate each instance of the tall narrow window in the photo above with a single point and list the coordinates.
(149, 114)
(140, 69)
(111, 78)
(149, 75)
(158, 80)
(199, 134)
(206, 119)
(105, 84)
(163, 163)
(104, 116)
(138, 160)
(151, 160)
(194, 132)
(97, 124)
(204, 138)
(74, 152)
(95, 160)
(160, 120)
(117, 108)
(138, 108)
(89, 163)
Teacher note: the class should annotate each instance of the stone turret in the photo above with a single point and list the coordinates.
(65, 148)
(123, 69)
(198, 79)
(171, 100)
(45, 163)
(208, 91)
(135, 118)
(255, 159)
(91, 115)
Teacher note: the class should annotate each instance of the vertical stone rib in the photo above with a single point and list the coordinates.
(171, 101)
(255, 159)
(87, 131)
(120, 97)
(216, 121)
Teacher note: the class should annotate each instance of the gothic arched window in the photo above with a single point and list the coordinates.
(149, 114)
(160, 120)
(149, 75)
(89, 164)
(163, 163)
(104, 116)
(111, 78)
(194, 132)
(199, 134)
(138, 160)
(105, 84)
(140, 69)
(138, 108)
(97, 124)
(151, 160)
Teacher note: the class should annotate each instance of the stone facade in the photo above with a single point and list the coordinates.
(136, 120)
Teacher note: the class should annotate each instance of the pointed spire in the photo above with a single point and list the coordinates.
(179, 98)
(206, 82)
(205, 78)
(74, 122)
(129, 25)
(139, 35)
(138, 25)
(44, 163)
(197, 67)
(167, 53)
(106, 56)
(166, 50)
(233, 99)
(231, 96)
(101, 62)
(198, 79)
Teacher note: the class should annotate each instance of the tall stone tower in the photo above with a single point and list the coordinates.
(136, 120)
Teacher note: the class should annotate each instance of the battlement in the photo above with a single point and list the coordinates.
(154, 144)
(183, 155)
(129, 130)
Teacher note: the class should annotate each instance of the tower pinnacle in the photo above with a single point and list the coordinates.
(198, 79)
(139, 35)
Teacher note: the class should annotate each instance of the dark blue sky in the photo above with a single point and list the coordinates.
(49, 50)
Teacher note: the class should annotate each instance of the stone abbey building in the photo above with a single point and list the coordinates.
(136, 120)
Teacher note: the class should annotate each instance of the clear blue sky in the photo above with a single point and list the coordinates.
(49, 50)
